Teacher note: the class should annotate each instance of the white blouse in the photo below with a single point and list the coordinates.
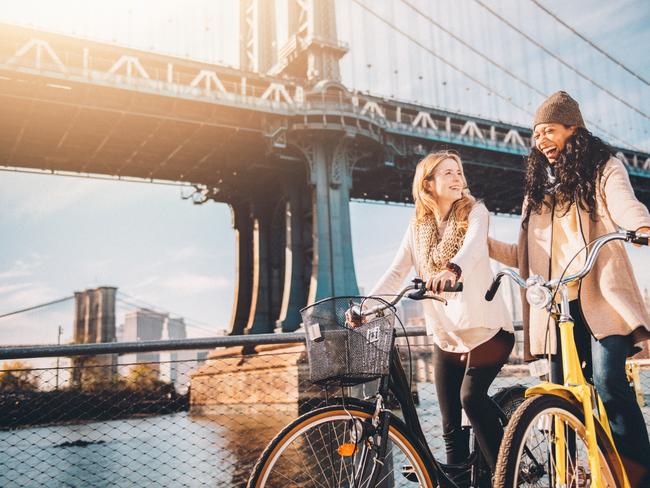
(468, 320)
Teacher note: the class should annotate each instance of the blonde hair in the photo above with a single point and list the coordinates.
(425, 202)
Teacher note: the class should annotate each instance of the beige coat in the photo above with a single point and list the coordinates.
(609, 295)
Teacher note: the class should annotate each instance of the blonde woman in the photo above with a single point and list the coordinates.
(447, 241)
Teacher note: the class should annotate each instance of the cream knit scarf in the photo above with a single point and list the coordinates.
(434, 251)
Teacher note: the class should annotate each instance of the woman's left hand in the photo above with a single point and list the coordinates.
(644, 230)
(437, 282)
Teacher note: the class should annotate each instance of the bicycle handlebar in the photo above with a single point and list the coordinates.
(628, 236)
(420, 294)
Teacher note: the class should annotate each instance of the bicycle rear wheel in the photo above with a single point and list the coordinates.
(528, 452)
(329, 447)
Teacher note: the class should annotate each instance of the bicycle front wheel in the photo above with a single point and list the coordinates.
(331, 447)
(529, 455)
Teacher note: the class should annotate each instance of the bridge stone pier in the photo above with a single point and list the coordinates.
(293, 230)
(294, 234)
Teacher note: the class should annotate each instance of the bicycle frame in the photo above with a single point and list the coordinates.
(397, 383)
(576, 389)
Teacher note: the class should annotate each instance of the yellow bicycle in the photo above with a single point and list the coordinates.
(560, 435)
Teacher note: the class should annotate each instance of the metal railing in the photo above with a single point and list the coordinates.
(164, 413)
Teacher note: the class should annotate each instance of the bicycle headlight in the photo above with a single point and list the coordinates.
(538, 296)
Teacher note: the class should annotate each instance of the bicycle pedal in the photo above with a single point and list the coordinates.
(409, 473)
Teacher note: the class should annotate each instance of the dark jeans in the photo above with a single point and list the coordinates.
(462, 380)
(605, 367)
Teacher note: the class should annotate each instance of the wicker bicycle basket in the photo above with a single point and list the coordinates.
(343, 355)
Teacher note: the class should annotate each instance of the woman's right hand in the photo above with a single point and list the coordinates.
(437, 282)
(353, 319)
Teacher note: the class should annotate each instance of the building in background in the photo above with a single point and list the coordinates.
(169, 366)
(144, 325)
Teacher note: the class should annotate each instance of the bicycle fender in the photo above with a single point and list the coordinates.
(547, 388)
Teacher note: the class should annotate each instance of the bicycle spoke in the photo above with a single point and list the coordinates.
(558, 436)
(317, 458)
(332, 449)
(309, 458)
(343, 465)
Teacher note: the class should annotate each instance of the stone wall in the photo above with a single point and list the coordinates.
(266, 380)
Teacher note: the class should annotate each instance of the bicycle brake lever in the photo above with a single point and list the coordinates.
(418, 294)
(421, 294)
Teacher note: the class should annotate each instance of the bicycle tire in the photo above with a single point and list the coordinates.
(536, 414)
(271, 470)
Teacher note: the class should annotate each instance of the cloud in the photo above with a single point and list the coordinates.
(189, 252)
(155, 289)
(28, 296)
(12, 288)
(38, 327)
(22, 268)
(57, 195)
(195, 283)
(146, 283)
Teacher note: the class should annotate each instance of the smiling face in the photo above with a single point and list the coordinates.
(446, 182)
(550, 139)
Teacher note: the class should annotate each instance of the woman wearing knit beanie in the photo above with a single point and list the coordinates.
(575, 192)
(447, 241)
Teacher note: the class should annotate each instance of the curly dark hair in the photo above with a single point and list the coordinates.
(577, 170)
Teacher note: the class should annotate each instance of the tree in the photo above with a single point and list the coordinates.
(17, 376)
(145, 376)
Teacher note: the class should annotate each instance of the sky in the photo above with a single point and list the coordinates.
(64, 234)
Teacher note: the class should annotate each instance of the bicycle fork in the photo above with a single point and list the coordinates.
(580, 390)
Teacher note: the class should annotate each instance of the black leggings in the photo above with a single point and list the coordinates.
(462, 380)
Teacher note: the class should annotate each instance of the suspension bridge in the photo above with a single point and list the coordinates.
(326, 120)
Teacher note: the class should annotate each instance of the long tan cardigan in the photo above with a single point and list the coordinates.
(609, 296)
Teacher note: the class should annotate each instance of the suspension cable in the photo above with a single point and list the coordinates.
(473, 49)
(442, 59)
(560, 60)
(591, 43)
(28, 309)
(474, 79)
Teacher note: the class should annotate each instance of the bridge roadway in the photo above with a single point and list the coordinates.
(286, 155)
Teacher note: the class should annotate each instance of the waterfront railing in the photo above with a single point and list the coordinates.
(177, 413)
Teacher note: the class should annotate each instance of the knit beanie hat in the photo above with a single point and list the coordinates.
(559, 108)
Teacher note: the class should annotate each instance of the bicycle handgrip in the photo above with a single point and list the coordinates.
(453, 289)
(640, 238)
(489, 295)
(421, 293)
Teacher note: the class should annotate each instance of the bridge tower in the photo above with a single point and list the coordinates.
(94, 322)
(294, 246)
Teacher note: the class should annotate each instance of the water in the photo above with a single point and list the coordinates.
(171, 450)
(175, 450)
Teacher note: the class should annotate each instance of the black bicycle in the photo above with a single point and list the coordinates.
(361, 443)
